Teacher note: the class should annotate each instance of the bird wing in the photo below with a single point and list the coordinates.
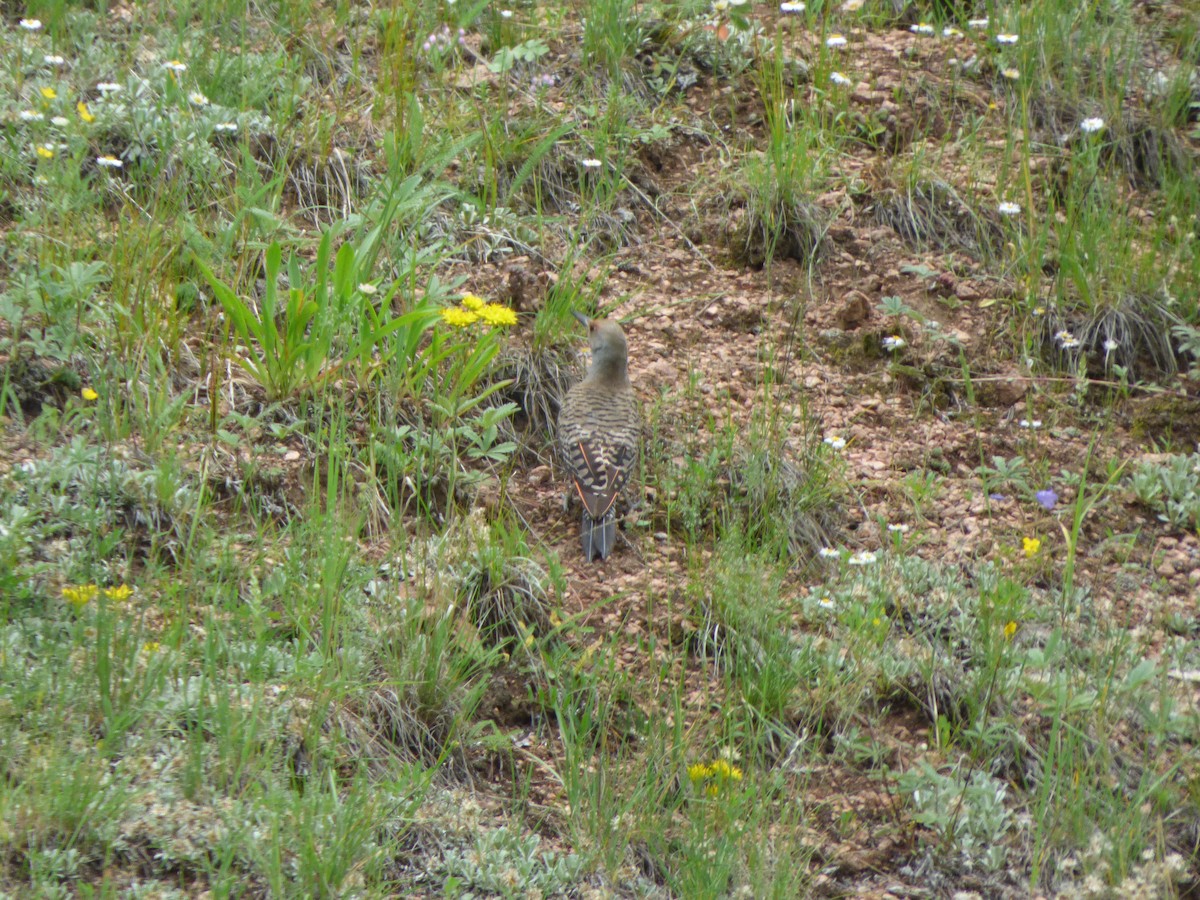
(599, 470)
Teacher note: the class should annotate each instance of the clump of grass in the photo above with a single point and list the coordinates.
(1133, 334)
(931, 214)
(430, 682)
(769, 197)
(755, 483)
(505, 591)
(537, 381)
(1147, 152)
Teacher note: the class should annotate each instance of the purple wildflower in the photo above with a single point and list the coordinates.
(1047, 498)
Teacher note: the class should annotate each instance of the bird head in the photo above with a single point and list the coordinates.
(610, 351)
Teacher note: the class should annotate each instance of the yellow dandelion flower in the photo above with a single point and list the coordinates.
(151, 647)
(84, 114)
(712, 790)
(119, 594)
(457, 317)
(45, 152)
(472, 302)
(699, 771)
(80, 595)
(1009, 630)
(49, 93)
(497, 315)
(88, 394)
(1031, 546)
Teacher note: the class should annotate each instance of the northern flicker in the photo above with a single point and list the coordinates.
(598, 431)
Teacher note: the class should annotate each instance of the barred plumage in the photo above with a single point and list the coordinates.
(598, 434)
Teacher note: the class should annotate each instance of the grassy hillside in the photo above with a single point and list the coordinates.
(905, 594)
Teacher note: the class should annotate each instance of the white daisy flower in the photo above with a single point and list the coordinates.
(1030, 423)
(1011, 74)
(590, 163)
(1008, 208)
(835, 441)
(829, 553)
(108, 87)
(951, 32)
(197, 99)
(894, 342)
(31, 115)
(793, 8)
(1091, 125)
(978, 24)
(862, 558)
(1110, 345)
(227, 127)
(60, 122)
(835, 41)
(1066, 340)
(109, 162)
(175, 66)
(53, 59)
(31, 24)
(839, 79)
(921, 28)
(1007, 38)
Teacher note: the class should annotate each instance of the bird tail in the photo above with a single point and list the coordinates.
(598, 537)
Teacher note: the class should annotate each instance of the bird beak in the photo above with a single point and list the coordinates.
(583, 320)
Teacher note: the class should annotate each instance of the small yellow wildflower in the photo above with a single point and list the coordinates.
(84, 113)
(151, 647)
(49, 93)
(80, 595)
(45, 152)
(497, 315)
(457, 317)
(88, 394)
(725, 771)
(1031, 546)
(472, 302)
(1009, 630)
(119, 594)
(714, 775)
(699, 771)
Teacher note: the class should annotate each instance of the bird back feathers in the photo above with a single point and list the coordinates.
(598, 432)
